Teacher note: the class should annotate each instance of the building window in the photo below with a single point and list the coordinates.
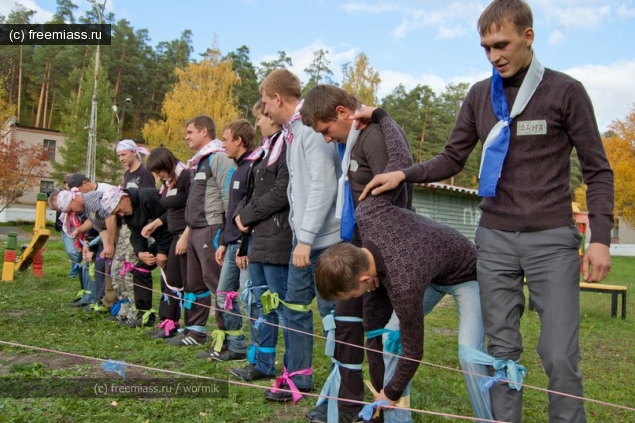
(49, 148)
(47, 186)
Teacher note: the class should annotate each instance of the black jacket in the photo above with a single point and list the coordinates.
(266, 210)
(146, 206)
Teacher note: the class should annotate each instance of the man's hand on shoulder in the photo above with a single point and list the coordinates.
(383, 182)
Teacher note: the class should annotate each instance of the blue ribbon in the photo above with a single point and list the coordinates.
(515, 372)
(347, 222)
(166, 299)
(331, 388)
(369, 409)
(248, 297)
(118, 367)
(259, 322)
(191, 297)
(251, 354)
(116, 307)
(494, 154)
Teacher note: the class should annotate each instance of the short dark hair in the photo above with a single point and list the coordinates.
(499, 11)
(76, 180)
(320, 103)
(283, 82)
(160, 159)
(339, 269)
(201, 122)
(243, 129)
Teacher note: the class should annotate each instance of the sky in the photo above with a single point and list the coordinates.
(428, 42)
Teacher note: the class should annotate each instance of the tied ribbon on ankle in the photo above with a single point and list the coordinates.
(118, 367)
(146, 315)
(331, 388)
(230, 296)
(497, 142)
(345, 206)
(116, 307)
(286, 128)
(191, 297)
(271, 301)
(83, 292)
(168, 325)
(286, 377)
(515, 372)
(218, 337)
(129, 267)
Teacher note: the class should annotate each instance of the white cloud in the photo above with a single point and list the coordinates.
(556, 36)
(625, 12)
(391, 79)
(607, 85)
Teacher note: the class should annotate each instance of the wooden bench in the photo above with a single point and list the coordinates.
(614, 290)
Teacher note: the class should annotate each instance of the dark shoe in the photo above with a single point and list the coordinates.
(138, 322)
(78, 303)
(75, 300)
(249, 373)
(282, 396)
(225, 355)
(320, 415)
(186, 340)
(159, 333)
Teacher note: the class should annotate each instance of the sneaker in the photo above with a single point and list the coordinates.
(138, 322)
(249, 373)
(159, 333)
(78, 304)
(282, 396)
(186, 339)
(117, 318)
(225, 355)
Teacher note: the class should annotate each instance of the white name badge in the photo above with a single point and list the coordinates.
(531, 127)
(353, 166)
(171, 192)
(200, 176)
(132, 185)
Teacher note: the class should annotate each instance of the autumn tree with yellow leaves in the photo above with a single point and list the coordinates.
(203, 88)
(619, 144)
(362, 80)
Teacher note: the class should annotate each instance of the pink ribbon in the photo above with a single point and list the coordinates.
(229, 299)
(168, 325)
(286, 377)
(129, 267)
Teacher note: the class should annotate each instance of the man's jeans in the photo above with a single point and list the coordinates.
(273, 278)
(301, 290)
(231, 279)
(471, 334)
(86, 283)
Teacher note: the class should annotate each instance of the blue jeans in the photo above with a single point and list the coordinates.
(73, 254)
(230, 280)
(471, 334)
(273, 278)
(301, 290)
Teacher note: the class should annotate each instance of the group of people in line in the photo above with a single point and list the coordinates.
(323, 208)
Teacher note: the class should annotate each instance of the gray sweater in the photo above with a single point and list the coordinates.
(314, 167)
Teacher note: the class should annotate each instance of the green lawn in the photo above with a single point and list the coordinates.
(33, 312)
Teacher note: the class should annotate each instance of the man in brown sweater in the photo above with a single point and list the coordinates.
(526, 228)
(407, 252)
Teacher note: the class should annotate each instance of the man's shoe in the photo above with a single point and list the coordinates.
(138, 322)
(186, 340)
(319, 414)
(78, 303)
(282, 396)
(159, 333)
(249, 373)
(225, 355)
(117, 318)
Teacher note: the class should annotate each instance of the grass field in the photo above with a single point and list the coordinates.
(33, 313)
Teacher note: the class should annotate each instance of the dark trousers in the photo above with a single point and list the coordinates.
(176, 272)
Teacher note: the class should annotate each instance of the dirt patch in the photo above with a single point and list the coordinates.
(50, 361)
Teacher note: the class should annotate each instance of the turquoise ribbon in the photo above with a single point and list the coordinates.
(191, 297)
(392, 344)
(331, 388)
(515, 372)
(367, 411)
